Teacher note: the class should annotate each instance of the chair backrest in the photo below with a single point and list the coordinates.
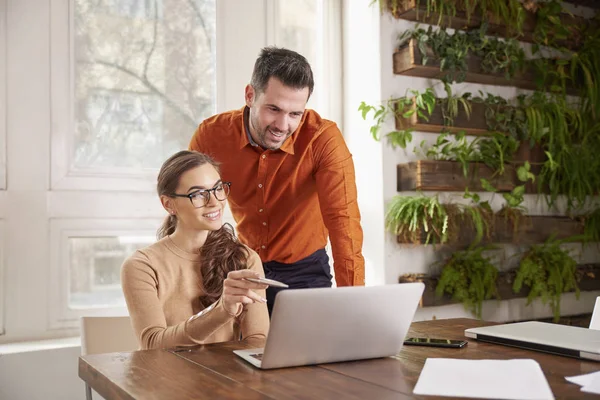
(595, 322)
(107, 335)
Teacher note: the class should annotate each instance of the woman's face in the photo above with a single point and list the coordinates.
(202, 215)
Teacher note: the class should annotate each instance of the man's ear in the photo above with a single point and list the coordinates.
(250, 95)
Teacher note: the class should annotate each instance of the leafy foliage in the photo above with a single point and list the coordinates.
(470, 278)
(408, 216)
(548, 271)
(412, 217)
(421, 104)
(510, 11)
(592, 226)
(452, 51)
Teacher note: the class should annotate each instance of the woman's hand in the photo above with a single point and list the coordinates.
(238, 292)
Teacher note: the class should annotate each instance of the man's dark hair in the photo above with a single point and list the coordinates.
(291, 68)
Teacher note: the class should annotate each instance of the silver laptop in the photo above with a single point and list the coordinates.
(565, 340)
(315, 326)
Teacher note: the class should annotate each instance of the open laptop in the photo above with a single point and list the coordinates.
(315, 326)
(565, 340)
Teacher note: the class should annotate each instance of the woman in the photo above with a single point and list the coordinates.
(189, 287)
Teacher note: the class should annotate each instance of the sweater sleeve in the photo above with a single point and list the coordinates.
(254, 320)
(140, 287)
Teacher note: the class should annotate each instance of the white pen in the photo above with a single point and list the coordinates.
(269, 282)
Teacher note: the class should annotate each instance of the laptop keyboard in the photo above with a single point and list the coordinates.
(257, 356)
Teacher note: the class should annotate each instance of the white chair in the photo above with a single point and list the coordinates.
(595, 322)
(106, 335)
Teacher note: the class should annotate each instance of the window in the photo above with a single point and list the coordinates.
(86, 259)
(313, 29)
(101, 93)
(140, 79)
(2, 104)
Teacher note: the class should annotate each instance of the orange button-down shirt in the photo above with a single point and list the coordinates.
(287, 201)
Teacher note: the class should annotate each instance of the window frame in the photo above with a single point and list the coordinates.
(3, 101)
(62, 78)
(327, 98)
(60, 315)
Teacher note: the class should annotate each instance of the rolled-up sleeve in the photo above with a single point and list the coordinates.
(336, 187)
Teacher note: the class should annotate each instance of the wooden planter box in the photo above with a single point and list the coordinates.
(473, 125)
(448, 176)
(408, 61)
(595, 4)
(408, 10)
(530, 230)
(587, 280)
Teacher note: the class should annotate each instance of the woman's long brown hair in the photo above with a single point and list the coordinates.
(222, 252)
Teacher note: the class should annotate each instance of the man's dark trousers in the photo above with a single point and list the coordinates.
(310, 272)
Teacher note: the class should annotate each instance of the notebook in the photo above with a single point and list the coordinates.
(315, 326)
(564, 340)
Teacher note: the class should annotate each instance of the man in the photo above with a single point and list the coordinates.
(292, 177)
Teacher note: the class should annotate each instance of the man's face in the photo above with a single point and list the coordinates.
(276, 113)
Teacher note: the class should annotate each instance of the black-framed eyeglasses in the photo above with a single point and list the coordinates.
(201, 198)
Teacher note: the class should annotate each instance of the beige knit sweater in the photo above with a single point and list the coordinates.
(162, 287)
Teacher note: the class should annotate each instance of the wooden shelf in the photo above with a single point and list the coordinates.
(408, 10)
(474, 125)
(595, 4)
(408, 61)
(530, 230)
(587, 281)
(448, 176)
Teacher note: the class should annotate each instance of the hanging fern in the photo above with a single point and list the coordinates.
(470, 278)
(548, 271)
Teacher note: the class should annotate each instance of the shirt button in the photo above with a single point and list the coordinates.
(263, 247)
(260, 185)
(261, 210)
(264, 156)
(264, 223)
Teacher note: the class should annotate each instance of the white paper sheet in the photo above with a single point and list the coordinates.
(584, 380)
(590, 382)
(485, 379)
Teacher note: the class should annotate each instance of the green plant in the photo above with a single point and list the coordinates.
(591, 223)
(421, 103)
(411, 217)
(511, 12)
(497, 55)
(549, 29)
(470, 278)
(452, 51)
(452, 148)
(548, 271)
(408, 216)
(451, 105)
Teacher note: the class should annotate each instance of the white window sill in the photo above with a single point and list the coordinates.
(39, 345)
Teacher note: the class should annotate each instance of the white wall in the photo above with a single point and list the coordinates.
(370, 41)
(41, 375)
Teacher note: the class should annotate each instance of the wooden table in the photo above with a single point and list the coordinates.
(214, 372)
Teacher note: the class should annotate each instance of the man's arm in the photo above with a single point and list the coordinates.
(336, 187)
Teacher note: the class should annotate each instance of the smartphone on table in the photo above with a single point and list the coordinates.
(421, 341)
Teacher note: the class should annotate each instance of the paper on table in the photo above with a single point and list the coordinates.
(584, 380)
(486, 379)
(593, 387)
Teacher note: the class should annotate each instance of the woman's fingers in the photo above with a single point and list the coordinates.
(237, 279)
(242, 293)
